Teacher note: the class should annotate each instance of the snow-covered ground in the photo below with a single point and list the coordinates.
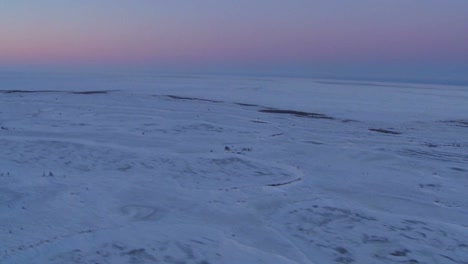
(187, 169)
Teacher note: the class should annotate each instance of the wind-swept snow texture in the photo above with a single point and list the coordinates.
(231, 170)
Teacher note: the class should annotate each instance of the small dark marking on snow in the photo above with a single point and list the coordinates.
(125, 168)
(192, 99)
(56, 91)
(430, 145)
(250, 105)
(457, 123)
(384, 131)
(93, 92)
(341, 250)
(136, 251)
(451, 259)
(349, 121)
(279, 134)
(259, 122)
(85, 231)
(313, 142)
(197, 241)
(374, 239)
(430, 186)
(400, 253)
(284, 183)
(297, 113)
(414, 222)
(118, 247)
(28, 91)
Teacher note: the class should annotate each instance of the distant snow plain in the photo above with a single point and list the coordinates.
(207, 169)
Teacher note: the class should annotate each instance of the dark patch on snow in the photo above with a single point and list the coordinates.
(400, 253)
(284, 183)
(55, 91)
(297, 113)
(454, 145)
(192, 99)
(349, 121)
(374, 239)
(457, 123)
(250, 105)
(452, 259)
(279, 134)
(431, 186)
(384, 131)
(258, 122)
(341, 250)
(93, 92)
(265, 109)
(313, 142)
(28, 91)
(430, 145)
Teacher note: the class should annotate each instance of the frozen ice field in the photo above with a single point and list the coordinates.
(205, 170)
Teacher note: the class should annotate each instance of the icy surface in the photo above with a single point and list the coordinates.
(231, 170)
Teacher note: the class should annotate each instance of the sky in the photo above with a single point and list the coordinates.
(337, 38)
